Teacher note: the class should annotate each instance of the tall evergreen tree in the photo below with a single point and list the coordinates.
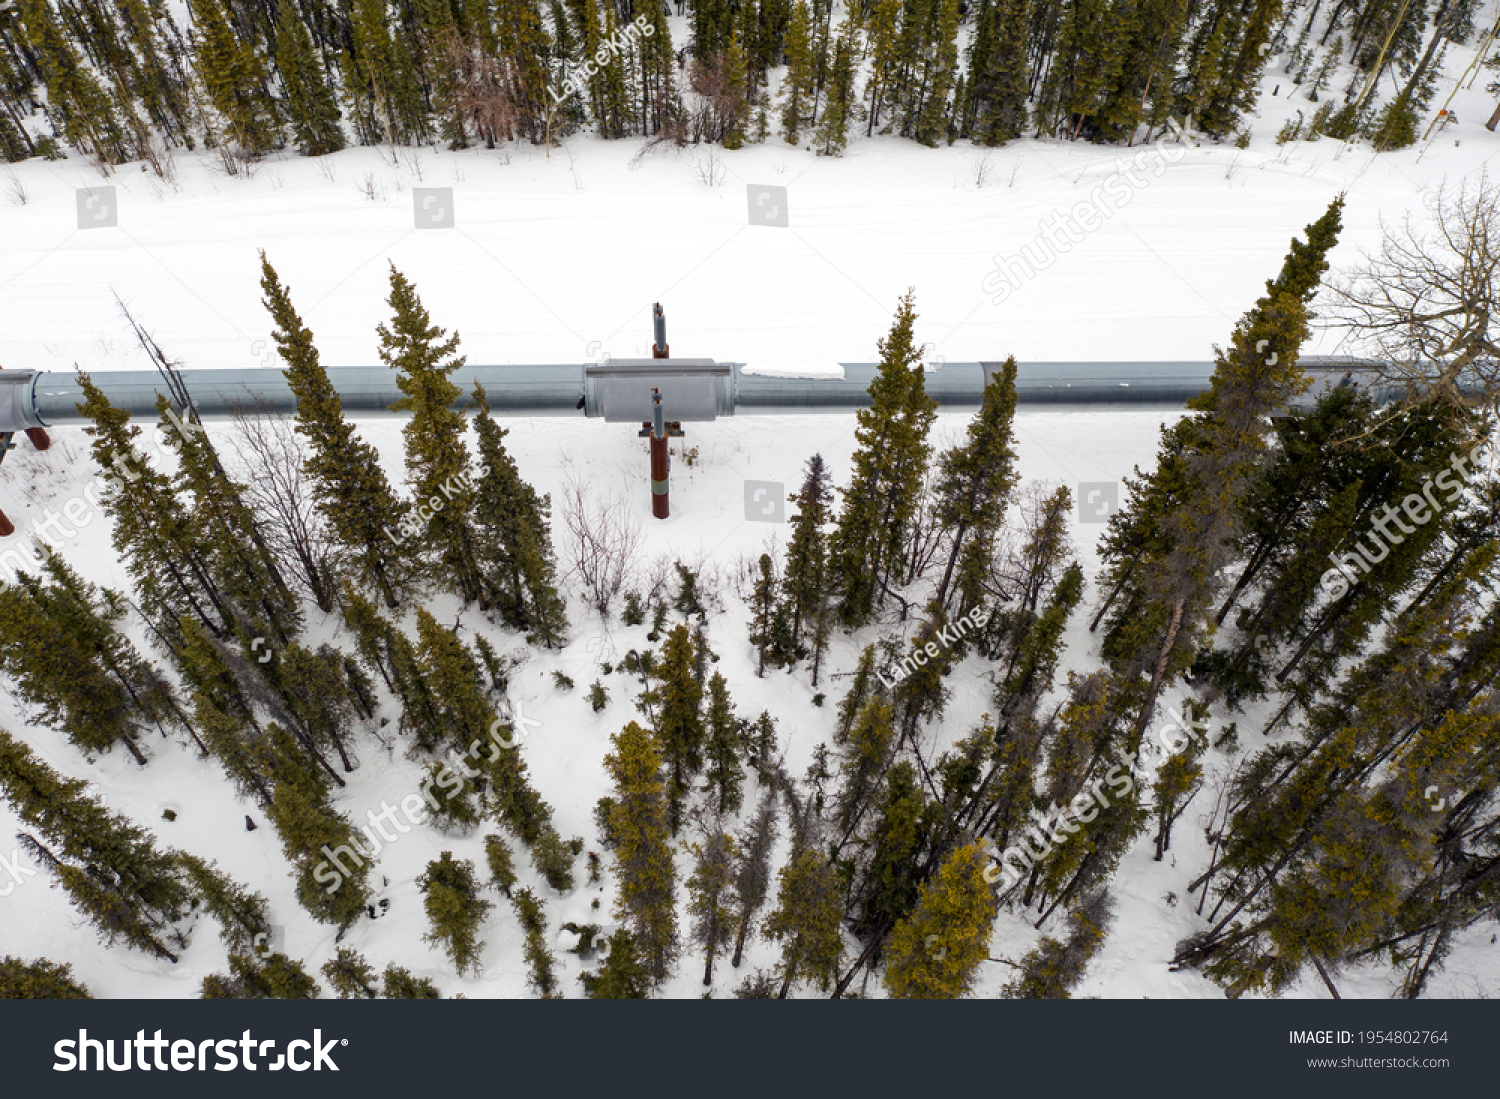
(935, 952)
(868, 549)
(974, 485)
(752, 871)
(351, 488)
(234, 76)
(679, 724)
(110, 868)
(515, 545)
(724, 746)
(637, 821)
(438, 466)
(709, 892)
(312, 107)
(806, 921)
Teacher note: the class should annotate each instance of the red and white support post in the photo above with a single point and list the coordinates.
(41, 441)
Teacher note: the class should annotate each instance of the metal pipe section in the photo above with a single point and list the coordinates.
(699, 389)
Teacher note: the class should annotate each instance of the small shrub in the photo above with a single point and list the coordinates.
(553, 859)
(501, 863)
(658, 622)
(561, 681)
(401, 985)
(634, 614)
(598, 696)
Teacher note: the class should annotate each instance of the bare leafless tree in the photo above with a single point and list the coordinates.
(605, 544)
(1421, 313)
(485, 93)
(268, 450)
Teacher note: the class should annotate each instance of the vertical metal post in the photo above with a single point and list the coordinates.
(661, 459)
(7, 528)
(659, 348)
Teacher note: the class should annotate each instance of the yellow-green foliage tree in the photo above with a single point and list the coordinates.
(934, 953)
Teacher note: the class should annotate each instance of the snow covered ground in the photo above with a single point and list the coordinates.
(558, 259)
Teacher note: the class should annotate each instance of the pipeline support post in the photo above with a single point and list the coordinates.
(659, 348)
(661, 460)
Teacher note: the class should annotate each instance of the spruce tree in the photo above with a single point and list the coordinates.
(532, 916)
(310, 827)
(638, 825)
(752, 871)
(515, 554)
(69, 660)
(623, 976)
(997, 77)
(679, 724)
(438, 467)
(1210, 461)
(77, 105)
(868, 548)
(275, 978)
(397, 983)
(455, 910)
(110, 868)
(501, 863)
(39, 980)
(709, 893)
(350, 975)
(842, 99)
(239, 558)
(807, 921)
(350, 487)
(724, 772)
(311, 106)
(805, 576)
(240, 913)
(235, 79)
(935, 952)
(1054, 968)
(798, 84)
(974, 485)
(157, 537)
